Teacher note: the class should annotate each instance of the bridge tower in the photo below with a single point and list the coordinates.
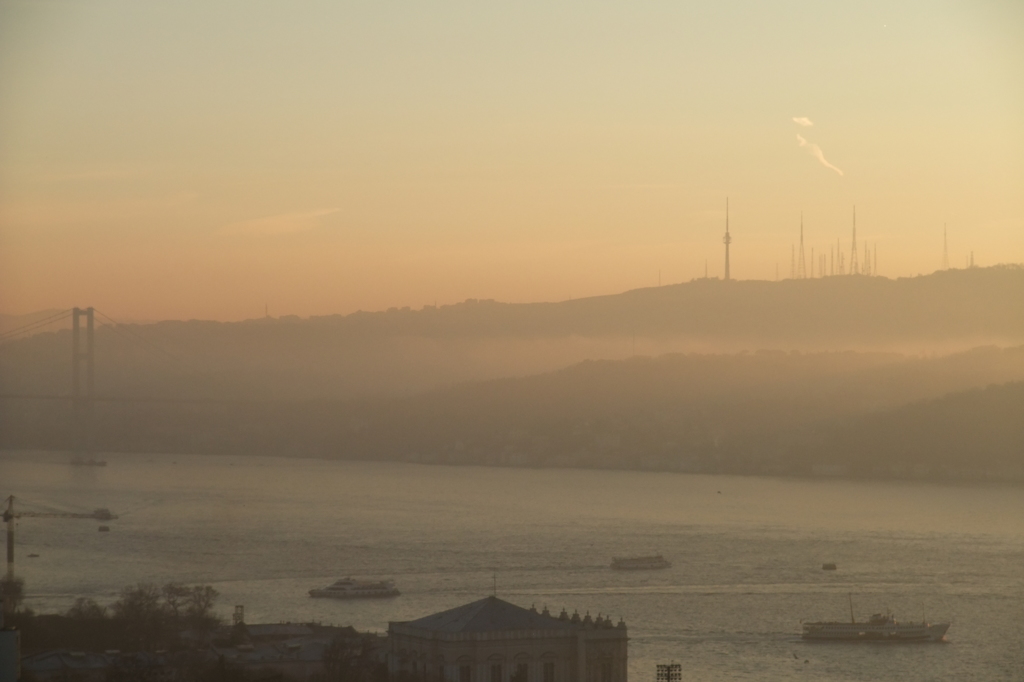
(82, 402)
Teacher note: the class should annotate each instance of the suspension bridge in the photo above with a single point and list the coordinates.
(82, 396)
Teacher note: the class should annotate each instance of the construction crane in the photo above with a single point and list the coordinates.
(99, 514)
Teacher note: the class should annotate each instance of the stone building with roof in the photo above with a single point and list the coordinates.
(491, 640)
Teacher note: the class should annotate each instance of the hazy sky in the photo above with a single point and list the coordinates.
(201, 159)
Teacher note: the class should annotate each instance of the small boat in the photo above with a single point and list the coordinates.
(640, 563)
(33, 556)
(104, 529)
(348, 588)
(91, 462)
(828, 567)
(878, 628)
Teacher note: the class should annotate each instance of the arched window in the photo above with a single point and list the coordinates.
(465, 664)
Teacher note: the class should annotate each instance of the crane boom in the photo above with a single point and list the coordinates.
(99, 514)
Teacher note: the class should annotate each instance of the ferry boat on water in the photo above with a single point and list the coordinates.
(640, 563)
(348, 588)
(878, 628)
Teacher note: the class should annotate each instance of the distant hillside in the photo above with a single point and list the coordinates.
(832, 312)
(401, 352)
(765, 412)
(980, 430)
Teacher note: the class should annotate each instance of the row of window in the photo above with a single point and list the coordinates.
(521, 674)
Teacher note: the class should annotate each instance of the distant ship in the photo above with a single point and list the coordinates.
(878, 628)
(640, 563)
(356, 589)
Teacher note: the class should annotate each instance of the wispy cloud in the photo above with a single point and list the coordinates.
(285, 223)
(803, 120)
(816, 152)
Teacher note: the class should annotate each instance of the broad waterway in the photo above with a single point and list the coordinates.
(746, 552)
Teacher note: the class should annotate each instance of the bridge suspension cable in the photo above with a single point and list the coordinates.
(128, 332)
(11, 334)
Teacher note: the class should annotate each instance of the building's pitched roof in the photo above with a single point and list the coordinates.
(301, 649)
(49, 662)
(487, 615)
(65, 660)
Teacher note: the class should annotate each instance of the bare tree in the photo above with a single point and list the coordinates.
(200, 602)
(87, 609)
(176, 598)
(142, 614)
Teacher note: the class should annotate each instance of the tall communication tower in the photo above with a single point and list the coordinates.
(945, 249)
(727, 239)
(854, 268)
(801, 271)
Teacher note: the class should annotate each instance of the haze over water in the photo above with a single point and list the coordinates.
(680, 239)
(746, 553)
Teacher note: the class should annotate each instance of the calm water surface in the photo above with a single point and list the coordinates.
(746, 553)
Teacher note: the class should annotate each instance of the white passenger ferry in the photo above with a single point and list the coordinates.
(878, 628)
(348, 588)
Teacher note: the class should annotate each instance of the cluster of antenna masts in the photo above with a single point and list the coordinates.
(835, 262)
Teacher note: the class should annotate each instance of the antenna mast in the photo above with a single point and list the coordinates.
(854, 268)
(727, 239)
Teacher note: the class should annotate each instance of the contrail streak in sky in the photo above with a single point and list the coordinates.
(815, 151)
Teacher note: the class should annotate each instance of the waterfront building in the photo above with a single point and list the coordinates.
(492, 640)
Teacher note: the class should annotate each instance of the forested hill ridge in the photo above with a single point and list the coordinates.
(402, 351)
(874, 414)
(968, 434)
(841, 311)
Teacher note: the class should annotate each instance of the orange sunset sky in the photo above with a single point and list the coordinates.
(203, 159)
